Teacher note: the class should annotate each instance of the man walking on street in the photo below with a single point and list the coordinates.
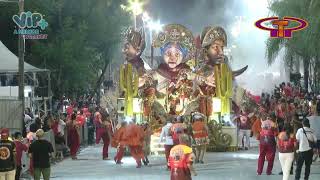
(7, 157)
(40, 152)
(305, 137)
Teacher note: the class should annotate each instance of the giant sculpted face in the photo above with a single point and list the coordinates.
(172, 56)
(215, 51)
(129, 51)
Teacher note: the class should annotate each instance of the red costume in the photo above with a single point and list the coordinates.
(118, 142)
(100, 130)
(171, 73)
(73, 138)
(106, 139)
(206, 93)
(267, 147)
(177, 129)
(200, 134)
(179, 160)
(134, 139)
(81, 119)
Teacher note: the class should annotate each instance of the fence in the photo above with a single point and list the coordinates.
(10, 114)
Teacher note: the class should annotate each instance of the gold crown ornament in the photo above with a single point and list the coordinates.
(177, 34)
(210, 34)
(135, 38)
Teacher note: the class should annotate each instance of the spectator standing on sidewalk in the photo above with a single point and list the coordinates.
(7, 156)
(306, 138)
(40, 151)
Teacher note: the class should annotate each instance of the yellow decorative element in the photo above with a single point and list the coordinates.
(129, 81)
(223, 77)
(191, 63)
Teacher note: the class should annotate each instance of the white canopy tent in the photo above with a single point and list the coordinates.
(9, 65)
(9, 62)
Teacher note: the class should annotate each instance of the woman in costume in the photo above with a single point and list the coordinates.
(73, 136)
(200, 133)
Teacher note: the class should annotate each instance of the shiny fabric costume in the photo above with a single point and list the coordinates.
(134, 136)
(179, 159)
(267, 146)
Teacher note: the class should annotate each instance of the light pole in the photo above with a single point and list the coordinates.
(153, 27)
(136, 8)
(21, 47)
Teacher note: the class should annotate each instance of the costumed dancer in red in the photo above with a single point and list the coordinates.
(118, 141)
(177, 129)
(100, 130)
(106, 136)
(81, 118)
(73, 136)
(181, 160)
(267, 146)
(134, 136)
(200, 135)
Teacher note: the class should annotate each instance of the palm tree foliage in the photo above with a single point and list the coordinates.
(303, 46)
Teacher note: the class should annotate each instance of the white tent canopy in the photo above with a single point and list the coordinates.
(9, 62)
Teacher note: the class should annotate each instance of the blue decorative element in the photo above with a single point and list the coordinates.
(43, 24)
(29, 14)
(179, 46)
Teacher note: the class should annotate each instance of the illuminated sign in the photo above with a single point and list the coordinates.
(280, 30)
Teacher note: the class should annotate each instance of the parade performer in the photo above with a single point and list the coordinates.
(106, 136)
(146, 143)
(177, 129)
(267, 146)
(20, 147)
(244, 127)
(181, 160)
(134, 139)
(100, 130)
(166, 138)
(200, 133)
(73, 136)
(286, 145)
(118, 141)
(81, 118)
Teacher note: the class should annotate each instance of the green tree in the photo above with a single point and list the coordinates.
(83, 37)
(303, 45)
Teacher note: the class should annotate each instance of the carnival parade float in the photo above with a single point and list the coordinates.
(193, 76)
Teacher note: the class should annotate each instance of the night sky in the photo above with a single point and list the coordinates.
(194, 14)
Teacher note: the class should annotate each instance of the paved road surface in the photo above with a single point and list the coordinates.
(218, 166)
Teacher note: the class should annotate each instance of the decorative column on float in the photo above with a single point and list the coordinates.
(129, 84)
